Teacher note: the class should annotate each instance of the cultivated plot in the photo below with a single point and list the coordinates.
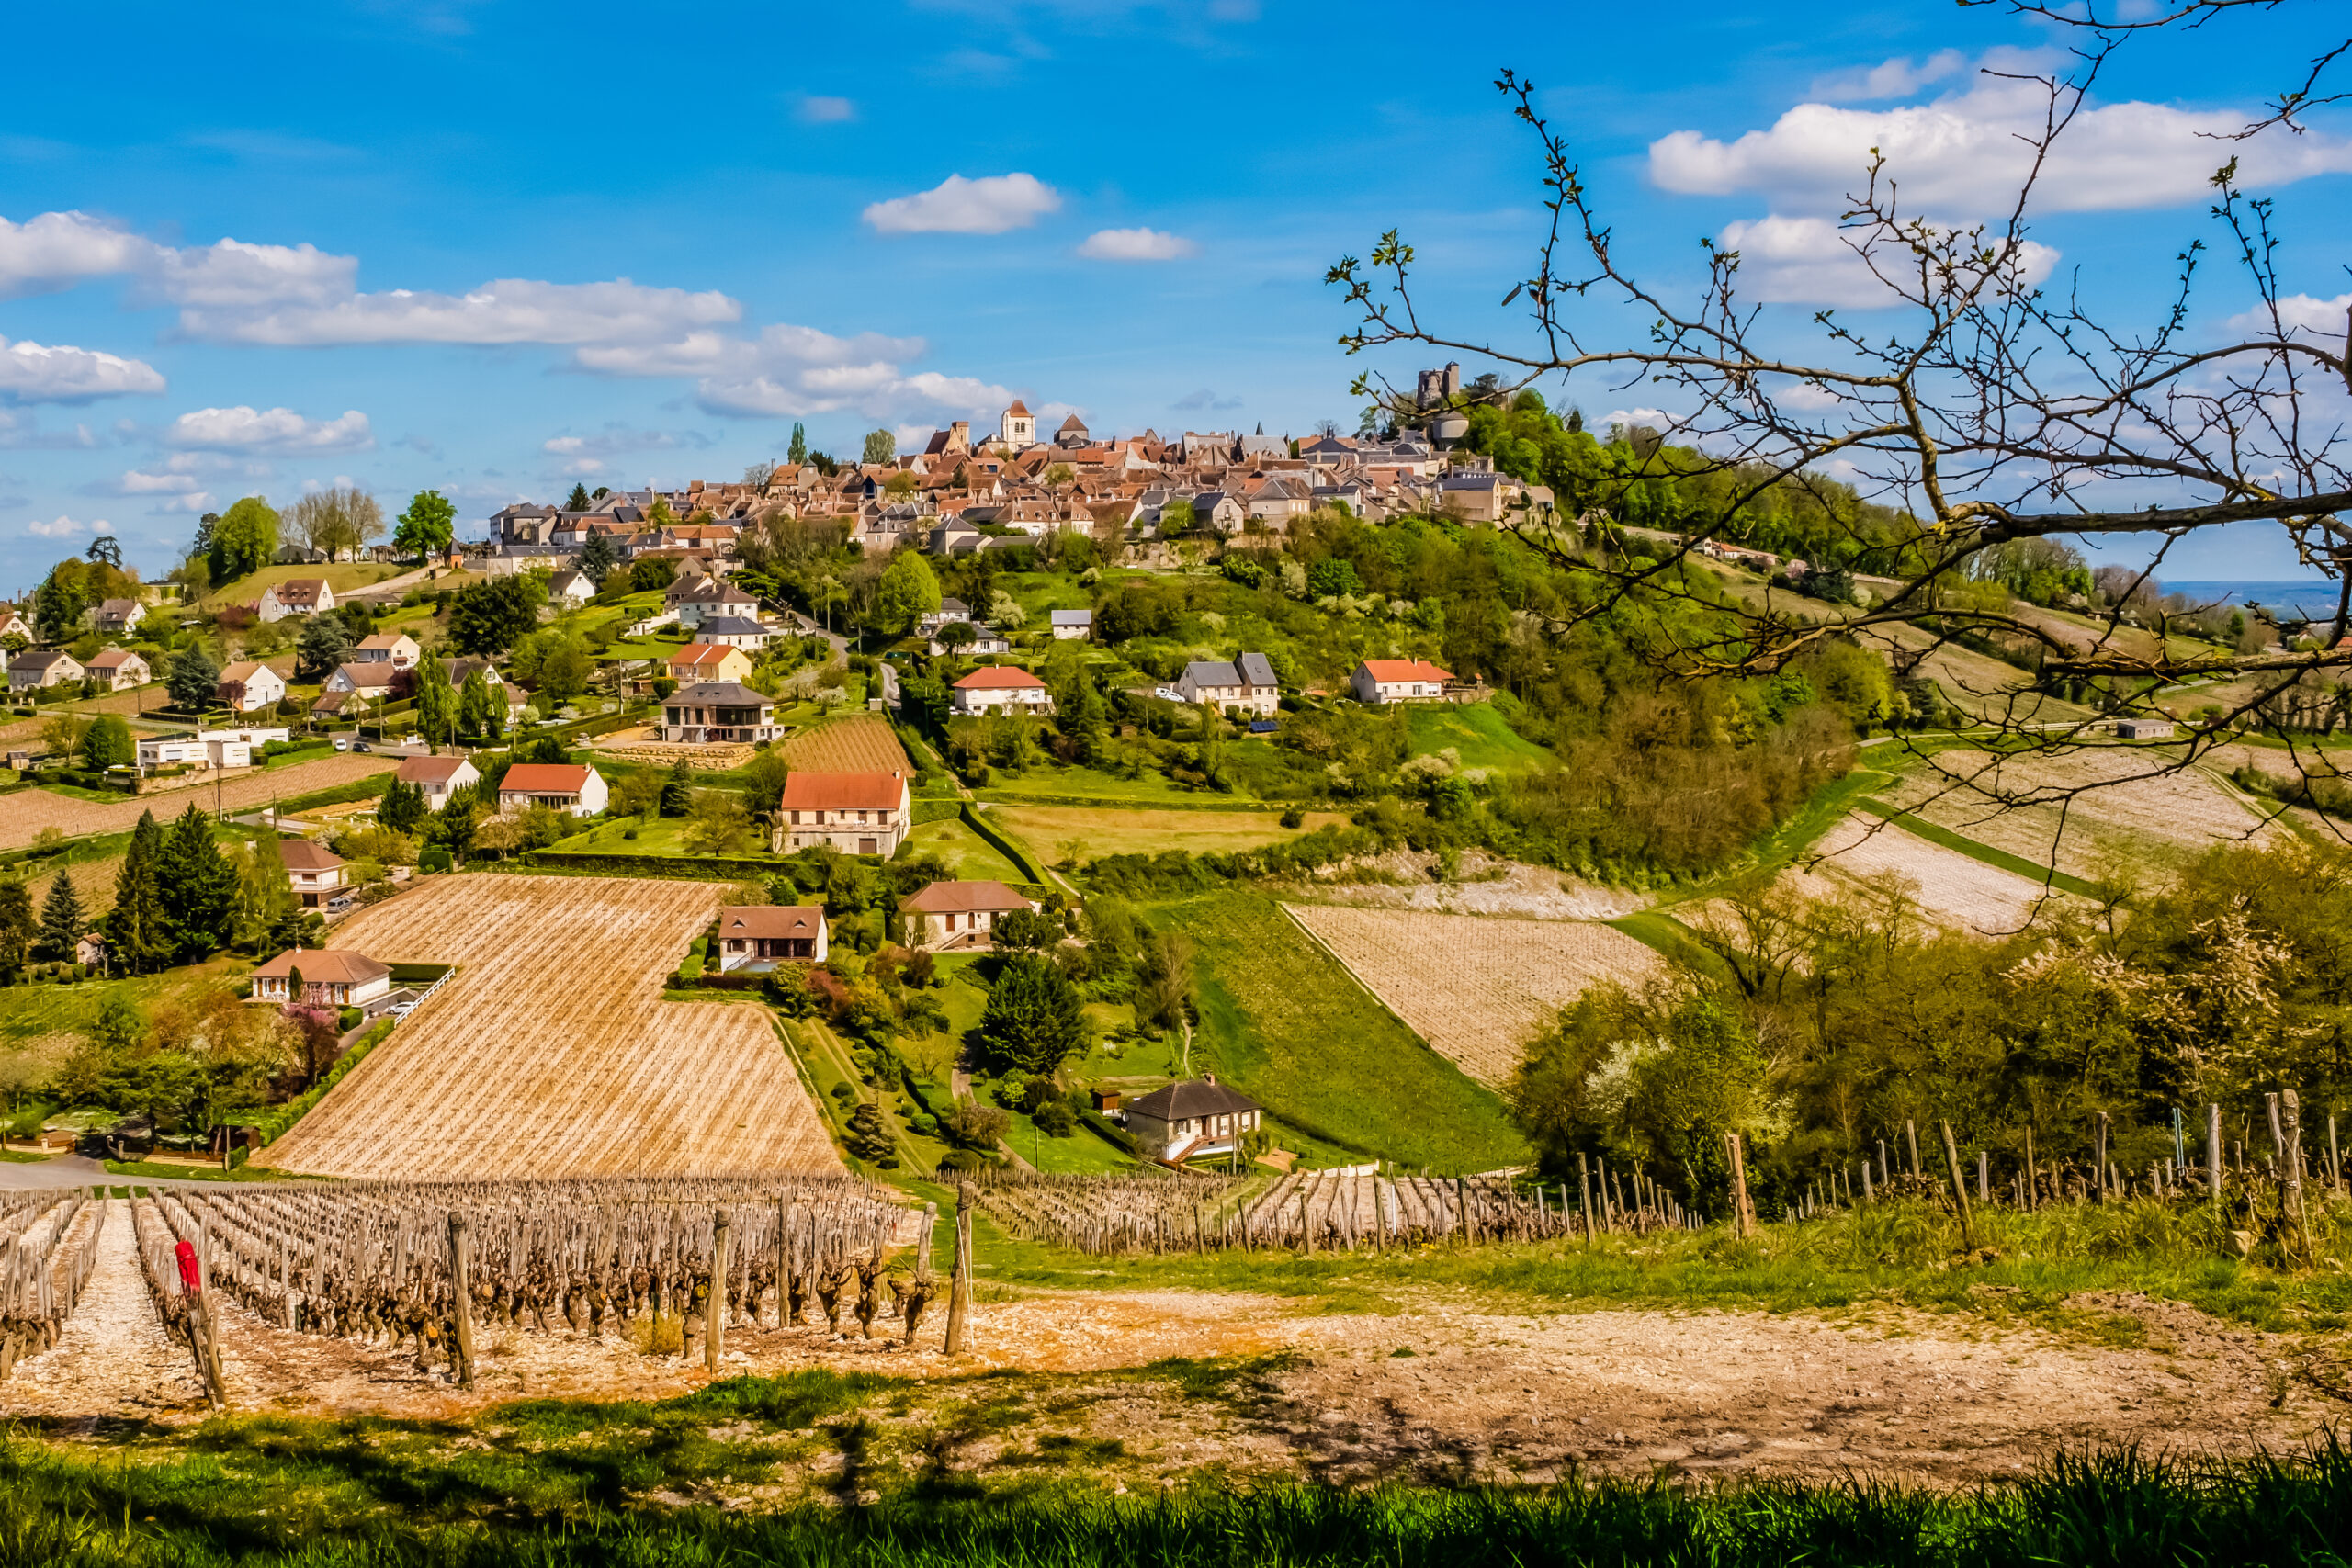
(30, 810)
(1947, 887)
(1085, 832)
(551, 1053)
(1474, 988)
(862, 743)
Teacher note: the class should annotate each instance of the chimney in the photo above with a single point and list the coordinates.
(1209, 1078)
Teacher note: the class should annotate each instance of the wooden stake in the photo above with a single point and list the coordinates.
(460, 1276)
(714, 1312)
(1584, 1175)
(2292, 1162)
(1745, 1217)
(959, 1289)
(1911, 1135)
(2213, 1154)
(2098, 1161)
(2032, 1177)
(1959, 1189)
(1984, 1177)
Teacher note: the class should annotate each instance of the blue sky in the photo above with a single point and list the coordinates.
(493, 247)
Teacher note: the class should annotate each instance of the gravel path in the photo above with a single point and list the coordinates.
(114, 1357)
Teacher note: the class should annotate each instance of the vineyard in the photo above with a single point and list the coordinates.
(31, 810)
(51, 1240)
(863, 744)
(1474, 988)
(1949, 888)
(550, 1052)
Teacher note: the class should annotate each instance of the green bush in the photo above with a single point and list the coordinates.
(348, 1018)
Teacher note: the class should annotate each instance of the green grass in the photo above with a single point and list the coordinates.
(1088, 784)
(341, 576)
(28, 1012)
(1083, 1153)
(1919, 827)
(1477, 731)
(969, 857)
(1083, 833)
(1289, 1026)
(22, 1157)
(156, 1171)
(1656, 929)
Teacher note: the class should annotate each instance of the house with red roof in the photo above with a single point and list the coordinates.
(957, 916)
(858, 814)
(572, 787)
(1398, 680)
(1004, 688)
(755, 938)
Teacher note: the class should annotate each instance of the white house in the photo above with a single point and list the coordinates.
(396, 649)
(951, 610)
(572, 787)
(1004, 687)
(733, 631)
(336, 977)
(296, 596)
(958, 915)
(32, 671)
(117, 669)
(715, 712)
(859, 814)
(571, 589)
(756, 937)
(1247, 684)
(206, 747)
(1073, 626)
(117, 615)
(372, 681)
(250, 687)
(1397, 680)
(316, 872)
(720, 600)
(709, 661)
(1191, 1120)
(984, 640)
(437, 776)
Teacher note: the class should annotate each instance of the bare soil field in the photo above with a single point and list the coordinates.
(128, 702)
(1075, 832)
(2137, 818)
(1437, 1391)
(861, 743)
(1485, 885)
(1950, 889)
(636, 744)
(1473, 987)
(551, 1053)
(29, 812)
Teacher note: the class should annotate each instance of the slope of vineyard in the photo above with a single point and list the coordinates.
(1948, 888)
(550, 1053)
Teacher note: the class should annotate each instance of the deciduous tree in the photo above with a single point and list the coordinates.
(428, 525)
(243, 540)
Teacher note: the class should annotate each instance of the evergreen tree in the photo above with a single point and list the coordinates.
(678, 790)
(480, 711)
(198, 888)
(60, 920)
(597, 557)
(107, 743)
(319, 647)
(403, 806)
(1035, 1017)
(17, 927)
(136, 927)
(798, 450)
(194, 678)
(578, 499)
(436, 705)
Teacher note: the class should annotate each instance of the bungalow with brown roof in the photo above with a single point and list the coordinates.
(957, 916)
(1191, 1120)
(757, 937)
(117, 669)
(295, 596)
(316, 872)
(249, 687)
(861, 814)
(1004, 687)
(437, 777)
(117, 616)
(332, 977)
(709, 661)
(572, 787)
(396, 649)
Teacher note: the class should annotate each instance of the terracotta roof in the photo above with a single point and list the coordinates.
(1184, 1102)
(1073, 423)
(843, 792)
(302, 854)
(110, 658)
(998, 677)
(1018, 407)
(333, 966)
(387, 639)
(1389, 672)
(771, 921)
(696, 653)
(961, 898)
(429, 770)
(544, 778)
(370, 675)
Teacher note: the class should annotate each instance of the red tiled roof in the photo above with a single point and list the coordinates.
(302, 854)
(771, 921)
(430, 770)
(998, 677)
(544, 778)
(1389, 672)
(961, 897)
(695, 653)
(805, 791)
(335, 967)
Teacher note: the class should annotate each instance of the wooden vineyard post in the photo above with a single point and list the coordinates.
(1911, 1134)
(2334, 1164)
(783, 1258)
(2099, 1157)
(460, 1290)
(1959, 1189)
(1305, 1229)
(1743, 1218)
(1584, 1175)
(714, 1312)
(959, 1288)
(1461, 1206)
(923, 1247)
(2032, 1180)
(1984, 1177)
(2292, 1162)
(2213, 1154)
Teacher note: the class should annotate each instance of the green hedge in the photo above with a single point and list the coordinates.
(275, 1125)
(419, 974)
(936, 810)
(977, 820)
(700, 868)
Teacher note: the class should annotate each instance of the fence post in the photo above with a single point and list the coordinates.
(2293, 1163)
(1911, 1136)
(959, 1288)
(460, 1289)
(1743, 1218)
(1584, 1175)
(714, 1313)
(2099, 1157)
(1959, 1189)
(2213, 1154)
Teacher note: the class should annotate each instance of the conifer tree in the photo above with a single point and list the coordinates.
(678, 790)
(198, 888)
(17, 927)
(136, 927)
(61, 919)
(401, 807)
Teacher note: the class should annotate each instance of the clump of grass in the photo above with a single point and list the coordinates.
(658, 1334)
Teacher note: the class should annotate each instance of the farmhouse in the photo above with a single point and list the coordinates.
(1398, 680)
(756, 937)
(1247, 684)
(958, 915)
(951, 610)
(716, 711)
(296, 596)
(2143, 729)
(719, 601)
(1073, 626)
(396, 649)
(1001, 686)
(864, 813)
(249, 687)
(117, 669)
(573, 787)
(371, 681)
(332, 977)
(32, 671)
(437, 776)
(709, 661)
(1191, 1121)
(316, 872)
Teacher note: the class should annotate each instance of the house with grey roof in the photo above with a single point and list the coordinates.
(1246, 684)
(1191, 1120)
(1073, 626)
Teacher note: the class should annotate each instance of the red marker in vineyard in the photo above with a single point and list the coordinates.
(190, 1279)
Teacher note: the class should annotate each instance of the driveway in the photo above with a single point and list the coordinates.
(75, 1171)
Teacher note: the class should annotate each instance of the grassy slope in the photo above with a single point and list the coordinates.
(1111, 830)
(1290, 1028)
(969, 857)
(27, 1013)
(1474, 730)
(340, 576)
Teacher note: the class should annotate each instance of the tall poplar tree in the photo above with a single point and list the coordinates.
(436, 705)
(137, 927)
(264, 898)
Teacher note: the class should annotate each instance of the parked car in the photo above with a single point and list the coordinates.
(341, 744)
(412, 740)
(361, 746)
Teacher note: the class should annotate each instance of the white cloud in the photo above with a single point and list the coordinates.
(1968, 153)
(615, 439)
(989, 205)
(175, 487)
(583, 468)
(243, 429)
(1205, 400)
(2302, 314)
(504, 311)
(32, 373)
(1808, 261)
(66, 528)
(58, 250)
(816, 109)
(1136, 245)
(1895, 78)
(1656, 418)
(231, 274)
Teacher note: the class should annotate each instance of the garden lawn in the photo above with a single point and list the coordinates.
(1476, 732)
(969, 857)
(342, 577)
(1080, 833)
(1286, 1023)
(1084, 1153)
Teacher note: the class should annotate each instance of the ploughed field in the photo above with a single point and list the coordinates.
(862, 743)
(1946, 887)
(31, 810)
(550, 1052)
